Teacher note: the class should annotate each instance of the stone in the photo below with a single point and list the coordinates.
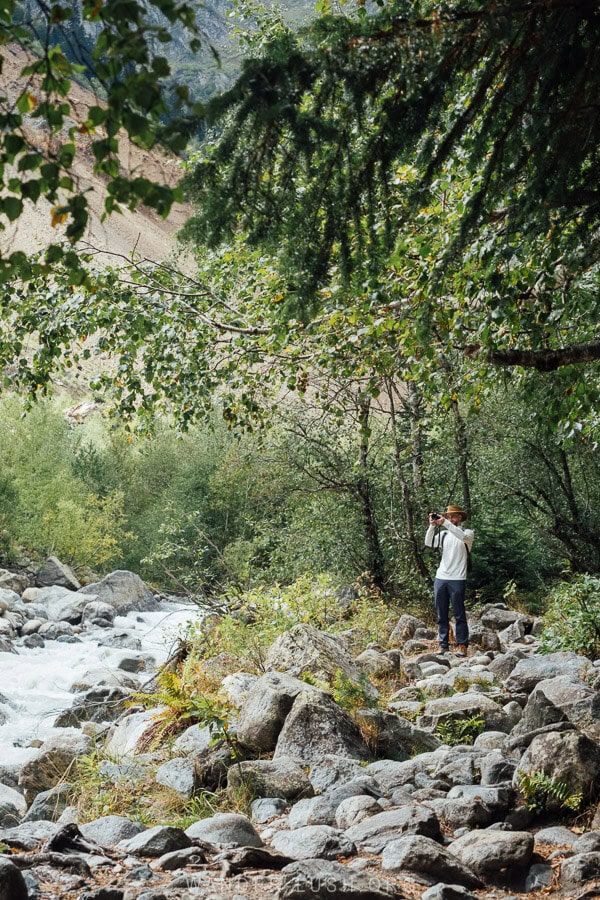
(179, 859)
(374, 833)
(52, 762)
(53, 572)
(225, 830)
(125, 734)
(123, 590)
(562, 699)
(374, 662)
(236, 687)
(97, 609)
(29, 835)
(9, 815)
(529, 671)
(497, 618)
(12, 883)
(580, 868)
(12, 797)
(265, 709)
(448, 892)
(568, 757)
(496, 768)
(427, 859)
(103, 704)
(8, 599)
(155, 841)
(193, 740)
(266, 808)
(282, 777)
(487, 852)
(306, 649)
(332, 770)
(61, 604)
(394, 737)
(312, 878)
(49, 804)
(555, 836)
(539, 876)
(178, 774)
(405, 629)
(316, 726)
(321, 810)
(312, 842)
(464, 706)
(108, 831)
(13, 581)
(587, 843)
(353, 810)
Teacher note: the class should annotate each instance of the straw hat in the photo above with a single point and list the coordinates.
(455, 511)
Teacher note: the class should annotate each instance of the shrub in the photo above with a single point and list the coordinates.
(572, 619)
(540, 792)
(460, 731)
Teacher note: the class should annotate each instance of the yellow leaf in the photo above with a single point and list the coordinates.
(59, 215)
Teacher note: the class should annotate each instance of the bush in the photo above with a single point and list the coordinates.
(572, 618)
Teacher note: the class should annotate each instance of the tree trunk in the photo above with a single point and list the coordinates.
(376, 562)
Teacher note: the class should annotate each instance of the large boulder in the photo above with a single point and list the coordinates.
(125, 734)
(264, 711)
(225, 830)
(313, 842)
(428, 860)
(464, 706)
(395, 737)
(12, 883)
(123, 590)
(317, 726)
(334, 881)
(98, 705)
(562, 699)
(52, 763)
(530, 671)
(281, 777)
(107, 831)
(53, 572)
(567, 757)
(372, 835)
(499, 617)
(488, 852)
(155, 841)
(306, 649)
(61, 604)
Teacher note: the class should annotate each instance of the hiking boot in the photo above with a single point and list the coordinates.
(462, 650)
(442, 649)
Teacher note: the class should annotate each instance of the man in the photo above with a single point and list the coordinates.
(451, 576)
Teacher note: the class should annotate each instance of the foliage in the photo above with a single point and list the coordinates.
(351, 696)
(185, 697)
(460, 730)
(268, 611)
(539, 792)
(572, 617)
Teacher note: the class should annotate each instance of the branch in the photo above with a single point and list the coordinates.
(544, 360)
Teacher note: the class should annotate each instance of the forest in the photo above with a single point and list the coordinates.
(392, 302)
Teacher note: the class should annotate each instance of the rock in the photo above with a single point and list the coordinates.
(155, 841)
(487, 852)
(498, 618)
(124, 591)
(237, 686)
(8, 599)
(560, 699)
(125, 734)
(282, 777)
(53, 572)
(179, 774)
(9, 815)
(108, 831)
(321, 810)
(193, 740)
(12, 797)
(530, 671)
(580, 868)
(394, 737)
(12, 883)
(13, 581)
(373, 662)
(496, 768)
(376, 832)
(483, 638)
(353, 810)
(555, 836)
(95, 610)
(225, 830)
(568, 757)
(333, 881)
(313, 841)
(179, 859)
(52, 763)
(333, 770)
(28, 836)
(540, 876)
(213, 764)
(306, 649)
(429, 860)
(317, 726)
(512, 633)
(391, 775)
(405, 629)
(464, 706)
(49, 804)
(265, 709)
(588, 843)
(103, 704)
(448, 892)
(60, 604)
(266, 808)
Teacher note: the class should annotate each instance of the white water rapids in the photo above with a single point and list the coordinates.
(37, 682)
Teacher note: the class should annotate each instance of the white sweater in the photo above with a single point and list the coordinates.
(453, 565)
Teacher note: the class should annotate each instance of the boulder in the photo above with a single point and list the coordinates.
(395, 737)
(53, 572)
(124, 735)
(178, 774)
(316, 726)
(266, 808)
(282, 777)
(333, 770)
(225, 830)
(428, 860)
(265, 709)
(12, 883)
(306, 649)
(193, 740)
(405, 629)
(49, 804)
(125, 591)
(374, 662)
(52, 763)
(236, 687)
(498, 618)
(108, 831)
(155, 841)
(562, 699)
(353, 810)
(97, 612)
(313, 842)
(580, 868)
(530, 671)
(373, 834)
(8, 599)
(13, 581)
(567, 757)
(98, 705)
(11, 797)
(322, 810)
(334, 881)
(29, 835)
(61, 604)
(487, 852)
(464, 706)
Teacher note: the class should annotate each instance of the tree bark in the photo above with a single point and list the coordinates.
(546, 360)
(376, 562)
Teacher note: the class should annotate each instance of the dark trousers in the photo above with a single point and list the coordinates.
(446, 592)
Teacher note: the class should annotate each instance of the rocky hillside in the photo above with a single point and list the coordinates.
(143, 231)
(476, 777)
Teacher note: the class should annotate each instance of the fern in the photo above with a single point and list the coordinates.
(460, 731)
(350, 695)
(539, 791)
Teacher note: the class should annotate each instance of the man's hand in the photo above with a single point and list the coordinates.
(433, 521)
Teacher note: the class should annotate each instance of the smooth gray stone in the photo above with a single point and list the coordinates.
(334, 882)
(225, 830)
(108, 831)
(373, 834)
(12, 883)
(429, 860)
(580, 868)
(155, 841)
(313, 842)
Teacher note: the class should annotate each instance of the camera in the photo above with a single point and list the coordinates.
(435, 516)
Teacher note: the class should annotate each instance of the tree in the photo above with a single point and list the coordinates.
(492, 105)
(41, 130)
